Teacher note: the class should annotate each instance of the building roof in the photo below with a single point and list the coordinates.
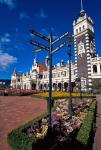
(42, 67)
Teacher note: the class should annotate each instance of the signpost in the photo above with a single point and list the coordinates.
(51, 51)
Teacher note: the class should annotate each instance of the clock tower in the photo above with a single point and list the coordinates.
(84, 46)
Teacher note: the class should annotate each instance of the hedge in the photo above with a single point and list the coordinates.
(19, 140)
(85, 132)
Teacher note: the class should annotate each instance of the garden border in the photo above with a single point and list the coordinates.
(19, 140)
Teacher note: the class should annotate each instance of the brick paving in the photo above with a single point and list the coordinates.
(16, 110)
(97, 139)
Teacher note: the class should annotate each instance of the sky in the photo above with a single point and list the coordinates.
(18, 17)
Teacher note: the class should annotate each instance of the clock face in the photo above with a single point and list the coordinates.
(81, 49)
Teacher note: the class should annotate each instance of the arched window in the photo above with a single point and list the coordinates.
(80, 29)
(94, 69)
(83, 27)
(76, 30)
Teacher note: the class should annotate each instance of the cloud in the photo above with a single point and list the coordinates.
(23, 15)
(7, 35)
(6, 60)
(41, 14)
(5, 40)
(46, 32)
(10, 3)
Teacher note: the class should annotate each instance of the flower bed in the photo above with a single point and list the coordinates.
(14, 92)
(62, 95)
(36, 134)
(60, 121)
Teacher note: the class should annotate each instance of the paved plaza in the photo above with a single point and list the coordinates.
(16, 110)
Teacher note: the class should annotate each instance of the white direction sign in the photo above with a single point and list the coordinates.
(59, 47)
(59, 38)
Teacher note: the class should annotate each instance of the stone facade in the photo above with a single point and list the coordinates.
(87, 64)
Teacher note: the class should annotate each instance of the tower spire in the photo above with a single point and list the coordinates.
(81, 5)
(82, 12)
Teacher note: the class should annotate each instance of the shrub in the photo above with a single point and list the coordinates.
(19, 140)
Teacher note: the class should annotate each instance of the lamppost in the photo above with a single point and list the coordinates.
(62, 84)
(70, 107)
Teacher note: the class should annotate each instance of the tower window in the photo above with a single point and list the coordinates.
(94, 69)
(80, 29)
(76, 30)
(83, 27)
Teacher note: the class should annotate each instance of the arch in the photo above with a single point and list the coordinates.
(41, 86)
(55, 86)
(45, 87)
(72, 86)
(100, 68)
(25, 86)
(76, 30)
(65, 86)
(83, 27)
(94, 69)
(33, 86)
(18, 87)
(59, 86)
(80, 29)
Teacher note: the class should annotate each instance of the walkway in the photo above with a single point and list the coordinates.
(16, 110)
(97, 139)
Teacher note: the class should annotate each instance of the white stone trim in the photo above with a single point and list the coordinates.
(89, 69)
(88, 51)
(88, 54)
(88, 61)
(89, 65)
(89, 83)
(89, 80)
(87, 44)
(87, 41)
(87, 38)
(86, 34)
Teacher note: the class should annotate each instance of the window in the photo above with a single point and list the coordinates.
(18, 80)
(80, 29)
(94, 69)
(63, 73)
(83, 27)
(76, 30)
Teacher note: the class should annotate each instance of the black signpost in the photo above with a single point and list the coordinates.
(51, 51)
